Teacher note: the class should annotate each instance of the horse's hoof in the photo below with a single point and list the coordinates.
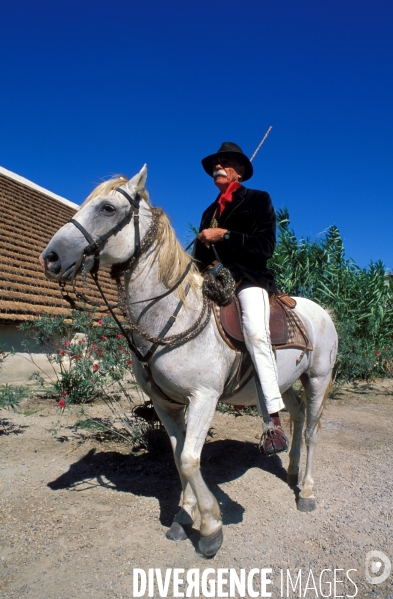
(306, 504)
(176, 532)
(292, 479)
(209, 546)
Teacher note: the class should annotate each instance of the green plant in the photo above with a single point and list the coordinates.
(359, 298)
(352, 361)
(87, 354)
(11, 396)
(90, 360)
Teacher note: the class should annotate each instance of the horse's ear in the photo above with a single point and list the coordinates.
(137, 183)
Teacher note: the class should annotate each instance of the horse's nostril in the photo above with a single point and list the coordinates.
(53, 263)
(52, 257)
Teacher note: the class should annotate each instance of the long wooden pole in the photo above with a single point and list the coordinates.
(261, 144)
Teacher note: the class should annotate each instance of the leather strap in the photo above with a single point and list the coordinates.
(95, 244)
(166, 328)
(135, 204)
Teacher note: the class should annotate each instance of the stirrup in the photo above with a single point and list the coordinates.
(273, 439)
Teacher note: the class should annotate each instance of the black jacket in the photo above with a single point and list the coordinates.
(251, 221)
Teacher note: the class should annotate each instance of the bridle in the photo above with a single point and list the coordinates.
(95, 245)
(94, 248)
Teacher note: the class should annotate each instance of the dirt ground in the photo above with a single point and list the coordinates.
(78, 516)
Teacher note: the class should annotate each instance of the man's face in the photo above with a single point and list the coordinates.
(225, 171)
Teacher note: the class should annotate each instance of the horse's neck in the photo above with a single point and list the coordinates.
(143, 285)
(144, 282)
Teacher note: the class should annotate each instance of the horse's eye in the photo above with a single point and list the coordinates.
(108, 209)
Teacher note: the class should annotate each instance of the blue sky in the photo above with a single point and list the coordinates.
(94, 88)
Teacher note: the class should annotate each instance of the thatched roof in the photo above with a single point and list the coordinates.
(30, 216)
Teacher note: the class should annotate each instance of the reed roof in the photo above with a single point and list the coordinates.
(30, 216)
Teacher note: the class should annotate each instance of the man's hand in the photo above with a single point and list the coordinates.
(208, 236)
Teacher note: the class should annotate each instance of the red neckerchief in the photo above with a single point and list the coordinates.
(226, 197)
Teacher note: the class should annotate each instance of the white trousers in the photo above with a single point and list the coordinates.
(254, 302)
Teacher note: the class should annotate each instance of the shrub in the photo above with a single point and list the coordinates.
(360, 298)
(11, 396)
(89, 352)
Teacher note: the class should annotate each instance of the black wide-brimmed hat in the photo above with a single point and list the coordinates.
(228, 148)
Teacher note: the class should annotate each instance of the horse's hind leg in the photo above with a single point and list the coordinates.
(315, 388)
(296, 412)
(174, 423)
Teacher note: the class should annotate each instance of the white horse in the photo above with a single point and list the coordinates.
(193, 374)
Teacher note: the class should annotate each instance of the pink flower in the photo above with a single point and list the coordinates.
(96, 367)
(76, 357)
(104, 338)
(93, 347)
(100, 352)
(121, 348)
(99, 322)
(129, 362)
(62, 352)
(377, 353)
(67, 343)
(64, 393)
(120, 336)
(61, 404)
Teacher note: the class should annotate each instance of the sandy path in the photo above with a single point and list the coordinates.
(77, 518)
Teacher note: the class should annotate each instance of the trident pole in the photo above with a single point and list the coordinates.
(268, 424)
(261, 144)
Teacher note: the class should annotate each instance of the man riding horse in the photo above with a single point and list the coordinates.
(242, 223)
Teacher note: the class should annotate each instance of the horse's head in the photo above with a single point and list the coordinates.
(102, 230)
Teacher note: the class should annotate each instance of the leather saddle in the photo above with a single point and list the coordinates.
(286, 328)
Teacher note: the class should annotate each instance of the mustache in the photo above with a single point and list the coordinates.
(219, 173)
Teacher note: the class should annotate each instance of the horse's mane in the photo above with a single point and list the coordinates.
(172, 259)
(112, 184)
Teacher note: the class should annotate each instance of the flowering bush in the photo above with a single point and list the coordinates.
(87, 354)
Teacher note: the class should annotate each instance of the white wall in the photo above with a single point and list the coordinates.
(18, 368)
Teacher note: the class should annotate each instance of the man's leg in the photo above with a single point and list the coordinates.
(254, 302)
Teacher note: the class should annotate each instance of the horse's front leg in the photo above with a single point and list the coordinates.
(200, 417)
(173, 420)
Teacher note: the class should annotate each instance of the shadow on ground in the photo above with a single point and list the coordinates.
(9, 428)
(154, 474)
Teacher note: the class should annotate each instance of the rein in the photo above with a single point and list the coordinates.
(119, 270)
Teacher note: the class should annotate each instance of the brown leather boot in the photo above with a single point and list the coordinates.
(273, 440)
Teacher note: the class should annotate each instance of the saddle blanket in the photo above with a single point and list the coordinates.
(286, 330)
